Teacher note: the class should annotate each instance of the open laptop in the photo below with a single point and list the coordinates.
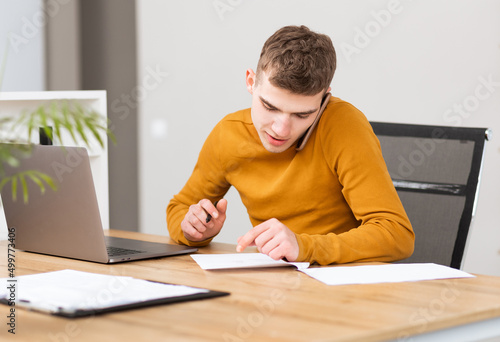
(66, 222)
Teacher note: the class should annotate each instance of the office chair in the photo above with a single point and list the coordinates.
(436, 172)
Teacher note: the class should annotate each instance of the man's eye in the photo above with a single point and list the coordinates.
(302, 116)
(270, 109)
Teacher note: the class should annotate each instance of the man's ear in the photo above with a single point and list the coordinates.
(250, 80)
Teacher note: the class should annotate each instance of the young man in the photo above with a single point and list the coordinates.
(329, 201)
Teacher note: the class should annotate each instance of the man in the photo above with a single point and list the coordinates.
(329, 201)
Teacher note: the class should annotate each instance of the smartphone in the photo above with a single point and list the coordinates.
(302, 141)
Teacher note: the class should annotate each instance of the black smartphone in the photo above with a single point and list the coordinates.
(302, 141)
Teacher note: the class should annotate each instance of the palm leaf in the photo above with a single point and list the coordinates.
(14, 187)
(47, 179)
(81, 123)
(37, 177)
(24, 186)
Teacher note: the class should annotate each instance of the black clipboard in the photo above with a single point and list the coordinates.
(155, 302)
(76, 312)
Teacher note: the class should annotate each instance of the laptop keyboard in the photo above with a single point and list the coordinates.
(116, 251)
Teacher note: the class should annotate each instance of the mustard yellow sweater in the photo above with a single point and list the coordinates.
(336, 194)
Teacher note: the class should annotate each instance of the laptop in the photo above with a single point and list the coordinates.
(66, 222)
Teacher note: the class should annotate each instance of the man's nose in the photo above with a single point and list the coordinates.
(282, 125)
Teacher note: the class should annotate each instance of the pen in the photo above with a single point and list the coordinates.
(209, 217)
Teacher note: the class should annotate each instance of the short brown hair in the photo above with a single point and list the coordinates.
(299, 60)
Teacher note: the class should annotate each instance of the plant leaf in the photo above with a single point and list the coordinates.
(47, 179)
(24, 186)
(33, 176)
(14, 187)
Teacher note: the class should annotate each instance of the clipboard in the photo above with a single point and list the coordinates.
(72, 302)
(78, 313)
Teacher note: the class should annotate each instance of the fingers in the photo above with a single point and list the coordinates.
(272, 238)
(271, 243)
(267, 242)
(192, 225)
(209, 209)
(203, 220)
(220, 208)
(249, 238)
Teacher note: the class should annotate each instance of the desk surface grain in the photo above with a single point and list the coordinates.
(265, 304)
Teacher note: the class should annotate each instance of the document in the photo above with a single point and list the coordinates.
(334, 275)
(372, 274)
(241, 260)
(74, 293)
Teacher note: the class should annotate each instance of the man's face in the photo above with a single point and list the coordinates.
(279, 116)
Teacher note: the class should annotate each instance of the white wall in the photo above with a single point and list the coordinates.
(22, 40)
(400, 61)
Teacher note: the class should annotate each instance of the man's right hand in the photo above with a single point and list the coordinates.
(195, 226)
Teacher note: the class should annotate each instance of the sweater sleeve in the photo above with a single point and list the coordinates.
(353, 153)
(207, 181)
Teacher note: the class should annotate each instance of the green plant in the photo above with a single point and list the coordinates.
(82, 124)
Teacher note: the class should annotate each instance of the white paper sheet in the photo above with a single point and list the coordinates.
(371, 274)
(68, 290)
(241, 260)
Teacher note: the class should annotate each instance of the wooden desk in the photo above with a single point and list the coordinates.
(264, 305)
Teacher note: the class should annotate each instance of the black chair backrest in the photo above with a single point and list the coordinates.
(436, 172)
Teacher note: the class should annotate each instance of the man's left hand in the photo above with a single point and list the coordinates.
(272, 238)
